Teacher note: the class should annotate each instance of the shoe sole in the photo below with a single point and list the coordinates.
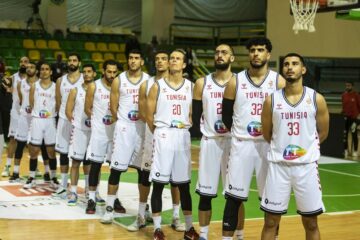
(136, 229)
(71, 204)
(178, 229)
(100, 203)
(106, 222)
(120, 211)
(90, 212)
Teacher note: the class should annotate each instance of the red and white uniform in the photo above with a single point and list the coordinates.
(15, 108)
(22, 132)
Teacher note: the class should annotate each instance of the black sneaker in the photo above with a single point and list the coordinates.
(47, 177)
(118, 207)
(54, 182)
(14, 178)
(91, 207)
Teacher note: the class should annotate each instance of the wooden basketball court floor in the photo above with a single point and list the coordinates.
(334, 225)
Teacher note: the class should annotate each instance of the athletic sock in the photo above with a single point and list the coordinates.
(74, 189)
(142, 209)
(110, 200)
(86, 181)
(239, 234)
(204, 231)
(188, 222)
(32, 174)
(16, 168)
(47, 168)
(157, 222)
(226, 238)
(176, 210)
(8, 161)
(52, 174)
(92, 195)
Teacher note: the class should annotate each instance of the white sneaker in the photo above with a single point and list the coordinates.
(60, 193)
(108, 216)
(30, 183)
(137, 224)
(177, 225)
(6, 171)
(354, 154)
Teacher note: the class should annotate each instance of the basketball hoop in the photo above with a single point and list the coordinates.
(304, 12)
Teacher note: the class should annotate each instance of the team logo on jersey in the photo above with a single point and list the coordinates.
(270, 84)
(177, 124)
(88, 122)
(220, 127)
(208, 87)
(254, 129)
(279, 106)
(293, 152)
(108, 120)
(164, 90)
(243, 86)
(133, 115)
(308, 100)
(28, 109)
(44, 114)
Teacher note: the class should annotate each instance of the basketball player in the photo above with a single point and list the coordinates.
(64, 84)
(43, 104)
(14, 113)
(129, 131)
(80, 132)
(215, 143)
(242, 106)
(168, 116)
(295, 121)
(97, 107)
(162, 70)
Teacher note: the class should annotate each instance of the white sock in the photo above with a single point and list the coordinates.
(92, 195)
(47, 168)
(74, 189)
(64, 180)
(142, 209)
(8, 161)
(1, 146)
(188, 222)
(176, 210)
(110, 200)
(52, 174)
(204, 231)
(98, 187)
(32, 174)
(157, 222)
(226, 238)
(239, 234)
(16, 168)
(86, 181)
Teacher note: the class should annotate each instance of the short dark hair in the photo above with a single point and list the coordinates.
(351, 82)
(259, 41)
(162, 51)
(44, 63)
(180, 50)
(110, 62)
(296, 55)
(75, 54)
(231, 48)
(90, 65)
(33, 63)
(136, 51)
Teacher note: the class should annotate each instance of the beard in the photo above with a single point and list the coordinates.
(222, 66)
(291, 79)
(30, 74)
(22, 69)
(73, 68)
(259, 65)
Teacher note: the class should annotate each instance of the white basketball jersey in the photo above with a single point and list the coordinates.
(80, 119)
(173, 105)
(15, 108)
(101, 117)
(211, 124)
(248, 105)
(44, 101)
(128, 110)
(25, 108)
(294, 135)
(65, 88)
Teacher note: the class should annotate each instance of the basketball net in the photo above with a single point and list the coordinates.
(304, 12)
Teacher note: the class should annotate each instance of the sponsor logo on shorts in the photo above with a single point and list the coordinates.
(220, 127)
(177, 124)
(44, 114)
(108, 120)
(133, 115)
(272, 203)
(235, 188)
(88, 122)
(254, 129)
(205, 187)
(157, 174)
(293, 152)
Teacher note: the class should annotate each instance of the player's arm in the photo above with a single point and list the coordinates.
(151, 106)
(7, 84)
(266, 119)
(19, 91)
(142, 101)
(281, 82)
(197, 106)
(58, 94)
(114, 97)
(89, 99)
(31, 95)
(70, 103)
(322, 117)
(228, 102)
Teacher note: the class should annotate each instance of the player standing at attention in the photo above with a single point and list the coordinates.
(162, 71)
(295, 121)
(11, 86)
(168, 116)
(81, 129)
(97, 107)
(242, 106)
(64, 85)
(215, 143)
(129, 131)
(42, 101)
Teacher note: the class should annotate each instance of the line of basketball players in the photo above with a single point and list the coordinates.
(143, 122)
